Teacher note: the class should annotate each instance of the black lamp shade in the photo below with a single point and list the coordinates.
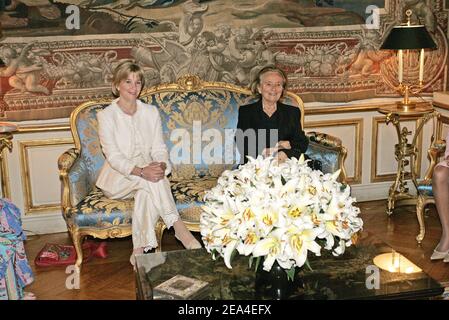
(409, 37)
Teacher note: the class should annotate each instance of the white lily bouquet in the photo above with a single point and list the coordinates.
(279, 212)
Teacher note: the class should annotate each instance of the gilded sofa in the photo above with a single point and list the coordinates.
(188, 107)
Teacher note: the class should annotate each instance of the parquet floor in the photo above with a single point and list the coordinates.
(113, 278)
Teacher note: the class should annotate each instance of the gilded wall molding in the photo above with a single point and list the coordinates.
(43, 128)
(6, 183)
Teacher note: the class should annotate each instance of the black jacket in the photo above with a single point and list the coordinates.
(252, 116)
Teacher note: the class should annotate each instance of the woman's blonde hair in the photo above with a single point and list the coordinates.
(122, 71)
(256, 81)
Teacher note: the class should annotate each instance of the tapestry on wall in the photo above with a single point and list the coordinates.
(59, 54)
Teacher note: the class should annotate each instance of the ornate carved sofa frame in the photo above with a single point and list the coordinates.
(215, 105)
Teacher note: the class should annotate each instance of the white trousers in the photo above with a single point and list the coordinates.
(151, 201)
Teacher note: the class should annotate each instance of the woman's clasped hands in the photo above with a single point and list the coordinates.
(279, 155)
(154, 172)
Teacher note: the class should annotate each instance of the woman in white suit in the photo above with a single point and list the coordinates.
(137, 160)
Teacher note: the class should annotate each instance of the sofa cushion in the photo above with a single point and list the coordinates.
(96, 210)
(189, 119)
(189, 195)
(188, 191)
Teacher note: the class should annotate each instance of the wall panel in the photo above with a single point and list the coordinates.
(40, 177)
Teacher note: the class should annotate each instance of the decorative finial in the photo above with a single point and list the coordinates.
(408, 13)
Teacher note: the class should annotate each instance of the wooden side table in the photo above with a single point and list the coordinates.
(6, 136)
(399, 193)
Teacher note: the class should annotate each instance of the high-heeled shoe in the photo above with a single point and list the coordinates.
(446, 258)
(437, 255)
(193, 244)
(132, 258)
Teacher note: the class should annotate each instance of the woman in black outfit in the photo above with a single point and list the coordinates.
(269, 127)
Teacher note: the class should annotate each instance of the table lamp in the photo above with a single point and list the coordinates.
(408, 37)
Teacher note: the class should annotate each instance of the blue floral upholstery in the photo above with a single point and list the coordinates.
(425, 189)
(196, 112)
(189, 108)
(95, 210)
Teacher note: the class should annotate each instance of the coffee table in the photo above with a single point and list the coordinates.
(349, 276)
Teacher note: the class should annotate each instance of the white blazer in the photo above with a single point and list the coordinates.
(116, 133)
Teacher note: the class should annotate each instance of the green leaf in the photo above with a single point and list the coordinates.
(291, 273)
(308, 265)
(257, 262)
(234, 252)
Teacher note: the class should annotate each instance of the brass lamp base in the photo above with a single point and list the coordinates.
(415, 107)
(406, 106)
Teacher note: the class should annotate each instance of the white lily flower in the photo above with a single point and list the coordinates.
(249, 242)
(270, 248)
(278, 211)
(266, 219)
(229, 249)
(298, 245)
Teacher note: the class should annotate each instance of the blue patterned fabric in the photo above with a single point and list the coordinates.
(196, 113)
(13, 260)
(96, 210)
(329, 158)
(425, 189)
(189, 195)
(91, 154)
